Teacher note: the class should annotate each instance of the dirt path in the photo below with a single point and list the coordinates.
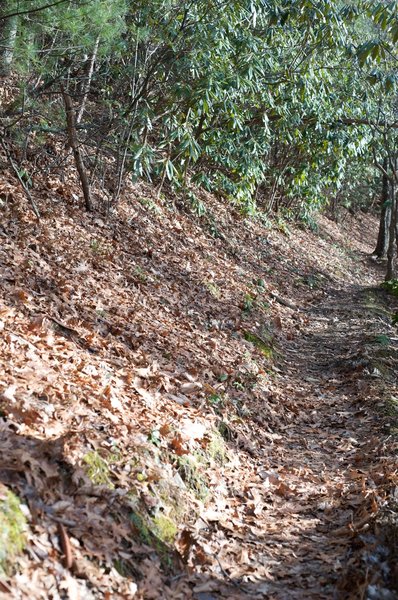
(331, 439)
(317, 490)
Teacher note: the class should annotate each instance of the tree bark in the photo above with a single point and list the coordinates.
(391, 254)
(74, 144)
(87, 85)
(8, 34)
(385, 217)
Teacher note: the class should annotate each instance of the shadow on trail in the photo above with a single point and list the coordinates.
(102, 522)
(346, 358)
(57, 492)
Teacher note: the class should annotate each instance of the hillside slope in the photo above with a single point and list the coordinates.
(191, 406)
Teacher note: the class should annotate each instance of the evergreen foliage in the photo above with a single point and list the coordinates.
(278, 104)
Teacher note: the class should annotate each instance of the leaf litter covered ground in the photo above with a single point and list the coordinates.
(194, 407)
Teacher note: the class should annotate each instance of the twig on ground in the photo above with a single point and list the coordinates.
(284, 302)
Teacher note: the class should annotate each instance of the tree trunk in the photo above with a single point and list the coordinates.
(86, 87)
(385, 218)
(391, 254)
(74, 144)
(8, 34)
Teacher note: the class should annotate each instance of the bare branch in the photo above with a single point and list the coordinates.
(32, 10)
(21, 181)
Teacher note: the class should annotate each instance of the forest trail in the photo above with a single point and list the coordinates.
(329, 451)
(314, 536)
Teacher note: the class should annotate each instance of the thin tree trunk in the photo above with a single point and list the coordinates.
(8, 34)
(391, 254)
(121, 161)
(74, 144)
(88, 81)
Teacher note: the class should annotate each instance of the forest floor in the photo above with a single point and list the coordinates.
(193, 406)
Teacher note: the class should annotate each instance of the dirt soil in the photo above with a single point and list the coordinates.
(194, 407)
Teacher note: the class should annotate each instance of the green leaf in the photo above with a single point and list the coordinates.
(170, 169)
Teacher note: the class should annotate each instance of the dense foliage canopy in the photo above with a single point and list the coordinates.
(279, 104)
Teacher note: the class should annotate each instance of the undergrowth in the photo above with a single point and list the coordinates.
(12, 529)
